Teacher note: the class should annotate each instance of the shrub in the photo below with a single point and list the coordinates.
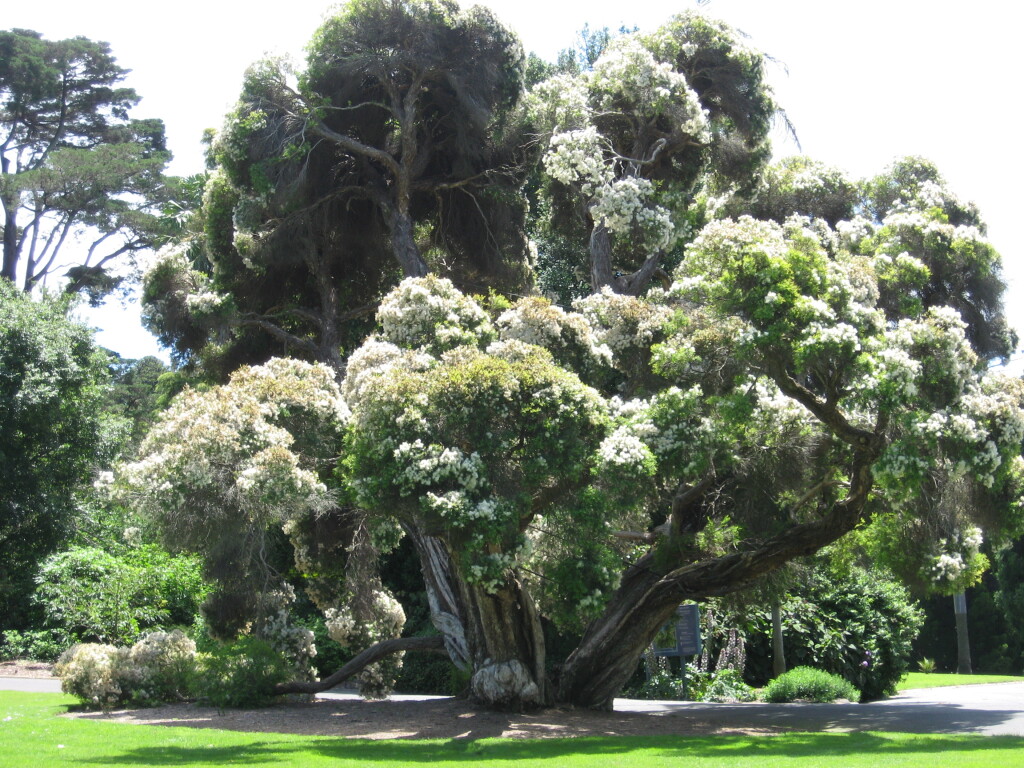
(857, 624)
(86, 670)
(158, 668)
(722, 685)
(39, 645)
(92, 594)
(242, 673)
(808, 683)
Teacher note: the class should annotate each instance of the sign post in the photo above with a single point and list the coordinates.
(680, 637)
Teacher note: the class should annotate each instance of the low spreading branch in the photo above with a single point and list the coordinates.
(372, 654)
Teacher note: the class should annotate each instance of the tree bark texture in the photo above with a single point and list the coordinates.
(496, 636)
(372, 654)
(403, 243)
(650, 591)
(963, 643)
(602, 274)
(778, 643)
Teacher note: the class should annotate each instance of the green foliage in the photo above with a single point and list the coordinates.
(133, 394)
(36, 644)
(51, 434)
(98, 596)
(242, 673)
(859, 625)
(927, 666)
(809, 683)
(723, 685)
(1010, 599)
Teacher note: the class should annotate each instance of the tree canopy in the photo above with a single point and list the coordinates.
(394, 152)
(813, 359)
(51, 432)
(73, 162)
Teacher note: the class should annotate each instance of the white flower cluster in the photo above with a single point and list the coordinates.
(622, 322)
(624, 203)
(623, 448)
(86, 670)
(947, 566)
(854, 231)
(955, 555)
(386, 620)
(382, 618)
(374, 361)
(577, 156)
(627, 76)
(430, 313)
(226, 451)
(205, 303)
(560, 103)
(723, 242)
(462, 510)
(774, 411)
(426, 465)
(155, 669)
(293, 642)
(567, 335)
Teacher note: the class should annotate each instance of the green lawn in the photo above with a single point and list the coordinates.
(937, 680)
(32, 736)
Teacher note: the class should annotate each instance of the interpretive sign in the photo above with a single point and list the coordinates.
(682, 636)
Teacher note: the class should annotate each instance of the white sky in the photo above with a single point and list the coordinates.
(864, 83)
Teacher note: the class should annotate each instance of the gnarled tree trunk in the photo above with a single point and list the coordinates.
(495, 636)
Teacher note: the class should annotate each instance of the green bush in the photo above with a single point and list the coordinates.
(721, 686)
(857, 624)
(39, 645)
(812, 684)
(94, 595)
(242, 673)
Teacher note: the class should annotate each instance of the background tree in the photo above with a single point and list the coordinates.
(72, 161)
(51, 434)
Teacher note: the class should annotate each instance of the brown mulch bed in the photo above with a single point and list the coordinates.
(434, 719)
(22, 668)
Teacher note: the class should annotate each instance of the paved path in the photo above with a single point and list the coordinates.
(30, 684)
(995, 709)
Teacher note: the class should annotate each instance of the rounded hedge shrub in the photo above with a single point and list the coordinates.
(857, 624)
(810, 684)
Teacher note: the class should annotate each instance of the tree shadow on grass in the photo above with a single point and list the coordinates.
(727, 748)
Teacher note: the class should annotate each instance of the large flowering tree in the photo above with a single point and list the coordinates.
(777, 408)
(797, 376)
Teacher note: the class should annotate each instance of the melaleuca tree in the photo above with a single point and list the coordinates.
(236, 473)
(394, 152)
(629, 141)
(796, 186)
(72, 160)
(919, 222)
(929, 246)
(602, 465)
(780, 410)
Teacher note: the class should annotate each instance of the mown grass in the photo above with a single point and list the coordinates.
(32, 735)
(939, 680)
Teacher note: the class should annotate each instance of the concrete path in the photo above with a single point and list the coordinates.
(30, 684)
(995, 709)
